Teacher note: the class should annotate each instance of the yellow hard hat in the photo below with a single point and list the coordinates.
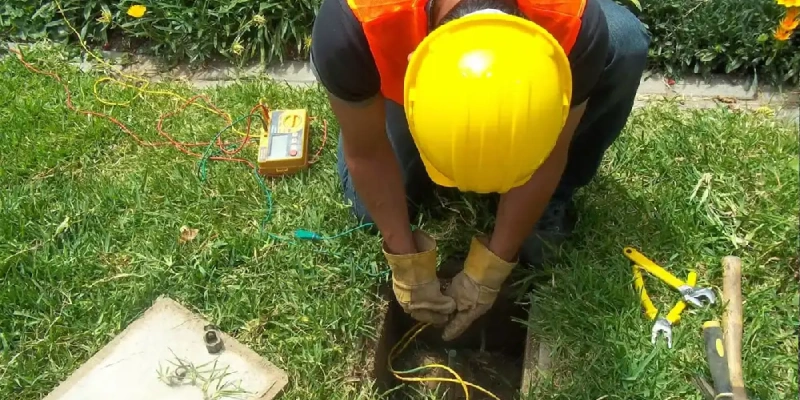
(486, 97)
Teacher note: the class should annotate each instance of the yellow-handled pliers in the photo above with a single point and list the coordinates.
(691, 294)
(662, 325)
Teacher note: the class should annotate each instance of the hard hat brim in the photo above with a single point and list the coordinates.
(436, 176)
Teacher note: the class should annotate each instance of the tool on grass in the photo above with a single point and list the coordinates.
(662, 325)
(705, 388)
(695, 296)
(717, 360)
(723, 342)
(732, 322)
(283, 148)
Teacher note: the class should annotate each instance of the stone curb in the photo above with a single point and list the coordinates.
(691, 92)
(300, 72)
(292, 72)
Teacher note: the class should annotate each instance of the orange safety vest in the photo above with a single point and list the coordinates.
(394, 28)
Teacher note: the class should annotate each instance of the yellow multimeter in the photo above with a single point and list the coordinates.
(283, 148)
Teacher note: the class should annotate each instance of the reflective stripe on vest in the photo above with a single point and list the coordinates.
(394, 28)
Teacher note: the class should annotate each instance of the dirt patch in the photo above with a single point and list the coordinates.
(489, 354)
(496, 372)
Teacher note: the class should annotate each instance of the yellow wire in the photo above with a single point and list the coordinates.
(407, 338)
(140, 89)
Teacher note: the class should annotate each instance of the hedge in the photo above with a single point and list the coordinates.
(689, 36)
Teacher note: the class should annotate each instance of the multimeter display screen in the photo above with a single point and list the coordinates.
(279, 146)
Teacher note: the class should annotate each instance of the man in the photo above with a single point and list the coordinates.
(516, 97)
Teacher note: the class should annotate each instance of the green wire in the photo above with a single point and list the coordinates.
(207, 153)
(300, 233)
(348, 231)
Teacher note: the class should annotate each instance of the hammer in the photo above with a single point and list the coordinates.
(724, 342)
(732, 322)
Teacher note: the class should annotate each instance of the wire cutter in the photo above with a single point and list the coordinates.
(691, 294)
(662, 325)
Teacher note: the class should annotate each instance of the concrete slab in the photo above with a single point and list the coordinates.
(537, 358)
(717, 86)
(694, 86)
(217, 72)
(134, 365)
(200, 84)
(651, 85)
(292, 72)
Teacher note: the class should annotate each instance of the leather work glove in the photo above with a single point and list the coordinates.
(416, 285)
(475, 288)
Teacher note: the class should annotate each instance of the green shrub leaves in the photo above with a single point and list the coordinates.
(689, 36)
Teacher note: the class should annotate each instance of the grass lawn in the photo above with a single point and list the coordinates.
(685, 187)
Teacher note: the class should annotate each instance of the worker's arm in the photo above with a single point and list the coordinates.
(521, 207)
(342, 62)
(490, 261)
(374, 169)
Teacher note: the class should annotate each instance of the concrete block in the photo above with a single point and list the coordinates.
(537, 359)
(292, 71)
(128, 367)
(717, 86)
(695, 86)
(653, 86)
(142, 66)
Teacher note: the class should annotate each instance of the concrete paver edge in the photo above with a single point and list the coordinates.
(652, 85)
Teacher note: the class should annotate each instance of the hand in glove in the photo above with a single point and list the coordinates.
(416, 285)
(476, 287)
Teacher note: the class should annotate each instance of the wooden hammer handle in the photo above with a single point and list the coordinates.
(732, 322)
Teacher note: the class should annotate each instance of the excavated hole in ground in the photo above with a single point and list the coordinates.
(489, 354)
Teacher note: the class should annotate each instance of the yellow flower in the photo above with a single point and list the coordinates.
(137, 10)
(259, 20)
(782, 34)
(764, 110)
(237, 48)
(789, 24)
(105, 17)
(789, 3)
(307, 42)
(790, 20)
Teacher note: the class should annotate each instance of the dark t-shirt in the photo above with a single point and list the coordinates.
(344, 65)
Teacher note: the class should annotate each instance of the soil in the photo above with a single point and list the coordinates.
(489, 354)
(494, 371)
